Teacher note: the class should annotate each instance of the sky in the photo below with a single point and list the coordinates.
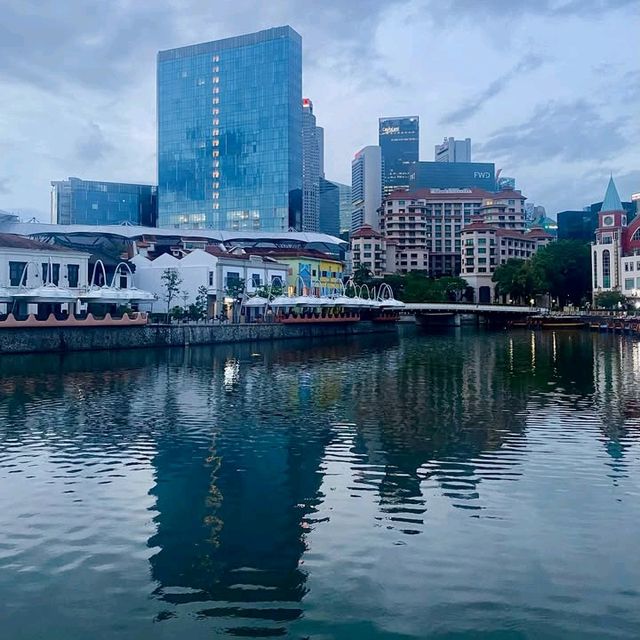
(549, 90)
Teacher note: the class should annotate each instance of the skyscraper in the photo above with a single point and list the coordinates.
(312, 167)
(329, 220)
(399, 141)
(452, 150)
(230, 133)
(366, 187)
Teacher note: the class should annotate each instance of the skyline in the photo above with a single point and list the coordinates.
(79, 89)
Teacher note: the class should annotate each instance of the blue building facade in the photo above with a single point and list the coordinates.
(329, 219)
(76, 201)
(453, 175)
(399, 140)
(230, 133)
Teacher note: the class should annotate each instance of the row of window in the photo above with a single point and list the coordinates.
(18, 274)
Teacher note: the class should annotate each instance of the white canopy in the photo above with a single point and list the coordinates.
(256, 301)
(47, 293)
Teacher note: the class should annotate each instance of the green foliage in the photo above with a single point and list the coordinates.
(417, 287)
(565, 266)
(235, 288)
(171, 282)
(362, 275)
(520, 280)
(177, 313)
(274, 289)
(610, 300)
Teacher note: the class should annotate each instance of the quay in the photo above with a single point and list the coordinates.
(59, 339)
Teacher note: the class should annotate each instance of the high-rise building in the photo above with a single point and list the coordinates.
(312, 167)
(329, 219)
(453, 175)
(366, 187)
(452, 150)
(230, 133)
(399, 141)
(76, 201)
(346, 206)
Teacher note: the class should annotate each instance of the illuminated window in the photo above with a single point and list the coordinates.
(216, 101)
(215, 59)
(216, 132)
(216, 121)
(216, 154)
(216, 89)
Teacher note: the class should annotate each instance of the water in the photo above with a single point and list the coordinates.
(463, 485)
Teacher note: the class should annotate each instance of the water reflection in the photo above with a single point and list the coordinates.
(275, 473)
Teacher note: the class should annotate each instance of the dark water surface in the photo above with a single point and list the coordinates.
(463, 485)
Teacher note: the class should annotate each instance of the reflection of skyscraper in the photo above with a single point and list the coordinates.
(230, 133)
(399, 141)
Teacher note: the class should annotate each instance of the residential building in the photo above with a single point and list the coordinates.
(27, 263)
(426, 225)
(496, 234)
(308, 269)
(615, 254)
(208, 267)
(230, 133)
(366, 187)
(92, 202)
(329, 219)
(453, 175)
(312, 167)
(399, 140)
(370, 249)
(452, 150)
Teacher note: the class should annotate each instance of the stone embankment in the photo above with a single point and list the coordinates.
(61, 339)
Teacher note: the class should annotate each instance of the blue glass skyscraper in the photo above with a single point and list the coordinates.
(230, 133)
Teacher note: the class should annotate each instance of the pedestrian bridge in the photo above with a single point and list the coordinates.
(465, 307)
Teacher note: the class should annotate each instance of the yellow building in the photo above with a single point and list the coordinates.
(315, 269)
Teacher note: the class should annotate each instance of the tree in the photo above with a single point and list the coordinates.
(453, 286)
(519, 280)
(565, 266)
(234, 289)
(198, 310)
(362, 275)
(171, 282)
(416, 286)
(610, 300)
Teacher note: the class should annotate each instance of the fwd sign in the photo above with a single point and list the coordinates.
(481, 174)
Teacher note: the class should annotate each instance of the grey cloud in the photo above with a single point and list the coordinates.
(4, 186)
(92, 145)
(495, 88)
(569, 131)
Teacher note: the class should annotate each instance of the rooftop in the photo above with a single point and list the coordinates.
(455, 194)
(611, 200)
(14, 241)
(366, 231)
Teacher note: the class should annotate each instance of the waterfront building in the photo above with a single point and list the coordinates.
(426, 225)
(371, 250)
(329, 219)
(615, 254)
(76, 201)
(29, 264)
(399, 140)
(452, 150)
(453, 175)
(230, 133)
(496, 234)
(312, 167)
(308, 267)
(366, 187)
(207, 266)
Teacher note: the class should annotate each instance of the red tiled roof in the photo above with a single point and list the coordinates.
(291, 253)
(466, 194)
(479, 226)
(537, 232)
(513, 233)
(366, 231)
(14, 241)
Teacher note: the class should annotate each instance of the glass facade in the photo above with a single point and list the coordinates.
(453, 175)
(329, 207)
(76, 201)
(230, 133)
(399, 141)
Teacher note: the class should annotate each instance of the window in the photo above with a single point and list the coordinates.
(72, 275)
(255, 280)
(55, 273)
(211, 278)
(233, 279)
(16, 271)
(628, 283)
(606, 268)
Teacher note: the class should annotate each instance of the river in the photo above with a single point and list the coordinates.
(455, 485)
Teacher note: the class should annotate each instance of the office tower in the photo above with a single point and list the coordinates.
(366, 187)
(452, 150)
(346, 208)
(312, 169)
(453, 175)
(329, 220)
(230, 133)
(76, 201)
(399, 141)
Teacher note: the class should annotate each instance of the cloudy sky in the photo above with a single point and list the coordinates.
(549, 90)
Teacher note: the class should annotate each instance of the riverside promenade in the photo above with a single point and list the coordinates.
(62, 339)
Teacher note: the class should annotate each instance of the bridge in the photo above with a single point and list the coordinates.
(470, 308)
